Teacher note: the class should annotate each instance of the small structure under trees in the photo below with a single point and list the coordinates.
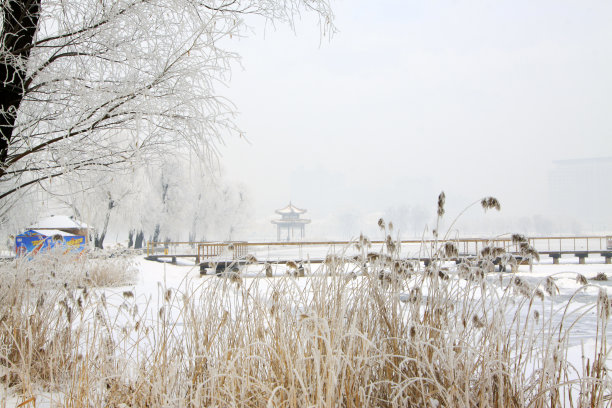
(32, 242)
(62, 223)
(52, 232)
(290, 222)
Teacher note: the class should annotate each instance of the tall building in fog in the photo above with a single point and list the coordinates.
(582, 189)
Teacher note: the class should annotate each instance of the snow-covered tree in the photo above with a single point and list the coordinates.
(189, 203)
(110, 84)
(175, 201)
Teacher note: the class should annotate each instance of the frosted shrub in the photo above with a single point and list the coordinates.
(55, 268)
(109, 272)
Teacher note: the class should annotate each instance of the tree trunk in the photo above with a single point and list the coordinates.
(156, 234)
(19, 24)
(139, 241)
(99, 240)
(131, 239)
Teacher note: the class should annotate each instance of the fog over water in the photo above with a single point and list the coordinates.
(411, 98)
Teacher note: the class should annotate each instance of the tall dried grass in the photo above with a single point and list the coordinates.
(45, 306)
(372, 330)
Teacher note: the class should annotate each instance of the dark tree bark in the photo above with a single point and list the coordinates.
(20, 21)
(155, 237)
(139, 241)
(99, 240)
(131, 238)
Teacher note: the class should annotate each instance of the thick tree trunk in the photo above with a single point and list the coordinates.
(139, 241)
(155, 237)
(19, 24)
(99, 240)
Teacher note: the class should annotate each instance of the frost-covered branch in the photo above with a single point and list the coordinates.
(118, 82)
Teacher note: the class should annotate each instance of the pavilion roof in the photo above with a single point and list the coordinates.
(290, 209)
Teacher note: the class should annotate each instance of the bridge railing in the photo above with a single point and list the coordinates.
(233, 249)
(412, 248)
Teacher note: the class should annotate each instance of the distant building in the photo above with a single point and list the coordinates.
(290, 222)
(581, 188)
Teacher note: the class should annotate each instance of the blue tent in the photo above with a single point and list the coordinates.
(32, 242)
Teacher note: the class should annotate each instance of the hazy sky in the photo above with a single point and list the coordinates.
(413, 97)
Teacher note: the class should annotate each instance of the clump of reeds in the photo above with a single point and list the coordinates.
(268, 270)
(441, 202)
(581, 279)
(519, 238)
(488, 203)
(600, 277)
(450, 250)
(551, 287)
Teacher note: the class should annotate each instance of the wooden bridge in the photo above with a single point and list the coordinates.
(555, 247)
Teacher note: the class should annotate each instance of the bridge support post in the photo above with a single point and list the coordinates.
(555, 258)
(607, 256)
(581, 257)
(500, 264)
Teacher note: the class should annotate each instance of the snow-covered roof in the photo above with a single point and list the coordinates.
(58, 222)
(290, 209)
(51, 232)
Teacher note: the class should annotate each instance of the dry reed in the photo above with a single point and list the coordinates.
(386, 334)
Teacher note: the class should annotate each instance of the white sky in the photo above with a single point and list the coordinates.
(410, 98)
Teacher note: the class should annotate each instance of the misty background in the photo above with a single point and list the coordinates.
(509, 99)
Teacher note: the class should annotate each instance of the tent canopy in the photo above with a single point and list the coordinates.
(58, 222)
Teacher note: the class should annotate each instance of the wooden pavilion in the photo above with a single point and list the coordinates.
(290, 222)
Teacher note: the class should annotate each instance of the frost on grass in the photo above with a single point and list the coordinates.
(47, 306)
(361, 331)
